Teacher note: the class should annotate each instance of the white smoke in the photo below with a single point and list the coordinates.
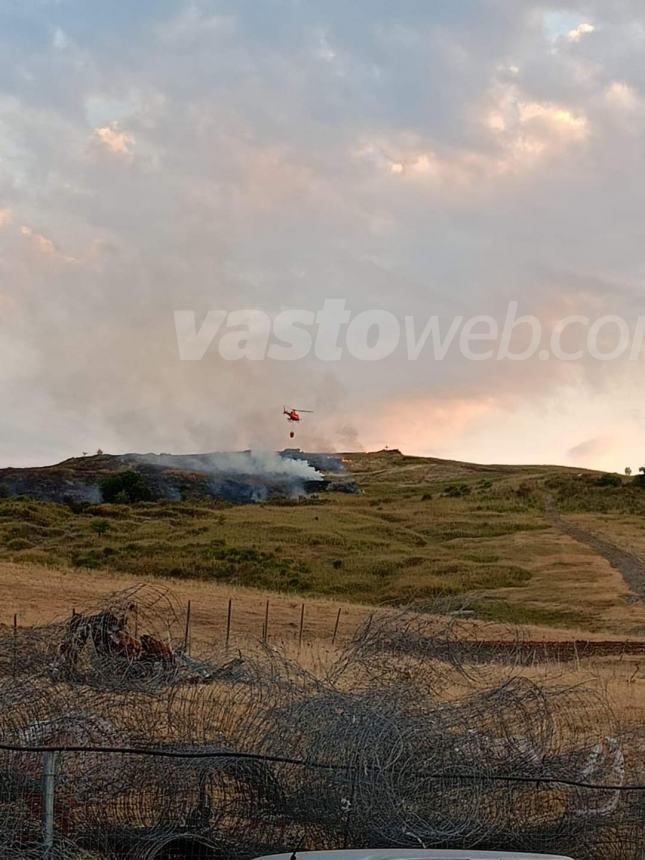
(259, 464)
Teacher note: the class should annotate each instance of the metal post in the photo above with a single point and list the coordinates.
(228, 622)
(14, 655)
(333, 638)
(187, 631)
(265, 628)
(302, 625)
(48, 793)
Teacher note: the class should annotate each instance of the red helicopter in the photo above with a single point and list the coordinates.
(294, 415)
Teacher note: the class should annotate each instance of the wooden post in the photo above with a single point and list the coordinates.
(302, 625)
(333, 638)
(48, 792)
(265, 627)
(228, 622)
(187, 631)
(14, 655)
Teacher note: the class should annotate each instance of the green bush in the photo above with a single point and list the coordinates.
(100, 527)
(19, 543)
(609, 480)
(456, 491)
(125, 488)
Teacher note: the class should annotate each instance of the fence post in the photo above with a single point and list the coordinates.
(265, 627)
(228, 622)
(302, 624)
(14, 648)
(48, 792)
(333, 638)
(187, 631)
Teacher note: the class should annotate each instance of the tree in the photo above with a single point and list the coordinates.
(125, 488)
(100, 527)
(628, 470)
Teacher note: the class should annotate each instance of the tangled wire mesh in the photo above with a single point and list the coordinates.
(411, 736)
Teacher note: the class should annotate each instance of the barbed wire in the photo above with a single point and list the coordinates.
(412, 735)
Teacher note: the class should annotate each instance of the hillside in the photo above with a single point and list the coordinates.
(242, 476)
(485, 537)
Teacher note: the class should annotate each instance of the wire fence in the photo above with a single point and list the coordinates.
(115, 742)
(64, 802)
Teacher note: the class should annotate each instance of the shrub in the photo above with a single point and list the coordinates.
(456, 491)
(125, 488)
(76, 506)
(19, 543)
(525, 490)
(609, 480)
(100, 527)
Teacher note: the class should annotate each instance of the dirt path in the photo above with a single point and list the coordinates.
(630, 566)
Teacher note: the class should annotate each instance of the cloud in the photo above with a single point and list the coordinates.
(420, 158)
(525, 132)
(40, 243)
(623, 96)
(581, 30)
(114, 139)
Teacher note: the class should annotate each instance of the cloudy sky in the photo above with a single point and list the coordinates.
(422, 157)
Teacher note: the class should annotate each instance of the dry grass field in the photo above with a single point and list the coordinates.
(39, 594)
(474, 536)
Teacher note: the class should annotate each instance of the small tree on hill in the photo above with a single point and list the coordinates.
(100, 527)
(125, 488)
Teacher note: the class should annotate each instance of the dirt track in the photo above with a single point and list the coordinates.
(630, 566)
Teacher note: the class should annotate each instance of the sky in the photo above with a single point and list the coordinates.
(420, 158)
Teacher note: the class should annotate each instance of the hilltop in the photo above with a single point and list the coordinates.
(543, 545)
(239, 476)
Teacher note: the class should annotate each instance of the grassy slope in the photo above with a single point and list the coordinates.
(414, 534)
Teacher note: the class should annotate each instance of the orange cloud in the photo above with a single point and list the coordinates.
(526, 133)
(114, 139)
(43, 246)
(40, 243)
